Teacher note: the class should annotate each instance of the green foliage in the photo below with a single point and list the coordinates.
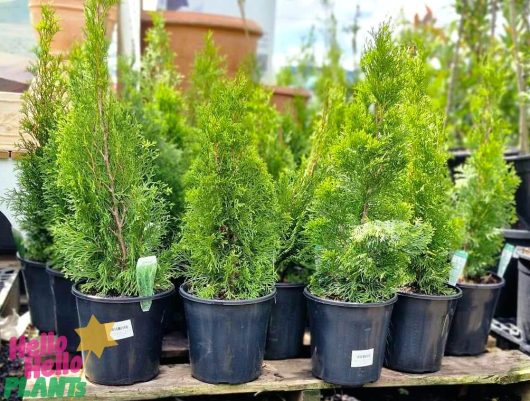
(209, 69)
(486, 185)
(42, 108)
(230, 228)
(105, 168)
(362, 228)
(159, 107)
(429, 185)
(295, 189)
(264, 123)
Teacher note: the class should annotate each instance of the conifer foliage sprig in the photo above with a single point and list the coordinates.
(362, 228)
(230, 234)
(105, 168)
(42, 107)
(486, 184)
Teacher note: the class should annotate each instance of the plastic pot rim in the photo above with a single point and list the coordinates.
(234, 302)
(289, 285)
(510, 233)
(428, 297)
(517, 157)
(52, 272)
(326, 301)
(121, 300)
(475, 286)
(33, 262)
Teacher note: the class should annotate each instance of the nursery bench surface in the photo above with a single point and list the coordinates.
(495, 367)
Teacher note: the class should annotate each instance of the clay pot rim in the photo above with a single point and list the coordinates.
(207, 20)
(65, 4)
(290, 91)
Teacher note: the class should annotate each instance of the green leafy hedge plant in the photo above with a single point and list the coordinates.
(42, 107)
(229, 234)
(105, 168)
(485, 186)
(362, 228)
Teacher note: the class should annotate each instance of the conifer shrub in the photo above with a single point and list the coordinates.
(105, 168)
(159, 106)
(230, 229)
(295, 189)
(485, 186)
(362, 228)
(42, 107)
(429, 184)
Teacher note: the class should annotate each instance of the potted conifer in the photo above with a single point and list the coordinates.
(117, 221)
(229, 242)
(484, 192)
(42, 107)
(361, 227)
(422, 315)
(294, 264)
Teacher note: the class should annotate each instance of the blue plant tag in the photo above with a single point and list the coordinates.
(458, 262)
(145, 278)
(504, 261)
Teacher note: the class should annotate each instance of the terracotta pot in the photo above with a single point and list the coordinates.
(283, 98)
(237, 39)
(71, 21)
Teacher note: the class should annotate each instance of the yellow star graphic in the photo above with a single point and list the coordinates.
(95, 337)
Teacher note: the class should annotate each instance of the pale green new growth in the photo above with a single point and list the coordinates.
(105, 168)
(230, 228)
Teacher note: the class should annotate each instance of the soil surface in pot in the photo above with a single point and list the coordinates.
(487, 279)
(414, 289)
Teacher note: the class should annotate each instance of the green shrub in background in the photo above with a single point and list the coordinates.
(159, 106)
(105, 168)
(230, 228)
(42, 107)
(485, 186)
(361, 226)
(296, 188)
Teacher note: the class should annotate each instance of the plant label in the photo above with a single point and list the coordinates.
(504, 261)
(120, 330)
(145, 278)
(361, 358)
(458, 262)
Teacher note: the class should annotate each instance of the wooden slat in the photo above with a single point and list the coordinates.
(502, 367)
(9, 123)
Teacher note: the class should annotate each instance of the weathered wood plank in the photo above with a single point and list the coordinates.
(503, 367)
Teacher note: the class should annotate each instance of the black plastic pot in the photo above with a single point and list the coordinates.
(287, 323)
(227, 338)
(522, 196)
(347, 339)
(472, 319)
(39, 293)
(64, 305)
(418, 331)
(507, 305)
(135, 358)
(523, 297)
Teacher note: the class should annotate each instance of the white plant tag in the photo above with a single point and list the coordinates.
(120, 330)
(361, 358)
(504, 261)
(458, 263)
